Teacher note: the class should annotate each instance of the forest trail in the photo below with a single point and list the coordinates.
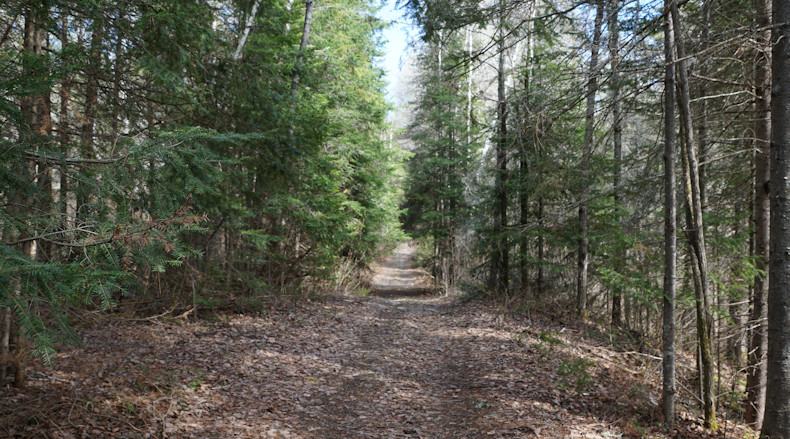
(344, 367)
(396, 275)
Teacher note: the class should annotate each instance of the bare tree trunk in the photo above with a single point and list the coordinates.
(36, 108)
(37, 111)
(20, 356)
(117, 78)
(776, 423)
(500, 263)
(295, 79)
(702, 126)
(64, 136)
(92, 91)
(589, 120)
(88, 127)
(695, 233)
(308, 20)
(541, 240)
(525, 135)
(670, 240)
(617, 140)
(702, 134)
(469, 86)
(247, 28)
(5, 346)
(756, 372)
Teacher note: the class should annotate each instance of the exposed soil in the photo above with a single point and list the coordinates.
(405, 365)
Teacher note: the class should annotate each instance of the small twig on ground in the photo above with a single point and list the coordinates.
(76, 396)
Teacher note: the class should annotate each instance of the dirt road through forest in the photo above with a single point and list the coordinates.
(397, 276)
(403, 365)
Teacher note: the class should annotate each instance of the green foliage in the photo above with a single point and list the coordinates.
(447, 141)
(169, 156)
(574, 373)
(547, 344)
(551, 339)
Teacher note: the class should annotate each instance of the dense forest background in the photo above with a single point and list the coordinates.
(176, 154)
(187, 154)
(552, 143)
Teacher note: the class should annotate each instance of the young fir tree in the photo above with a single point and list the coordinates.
(445, 138)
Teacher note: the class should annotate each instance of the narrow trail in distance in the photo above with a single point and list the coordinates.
(396, 276)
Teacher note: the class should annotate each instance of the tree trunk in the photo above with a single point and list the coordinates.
(247, 28)
(92, 91)
(702, 126)
(117, 79)
(5, 345)
(617, 140)
(469, 86)
(756, 378)
(670, 241)
(541, 240)
(308, 20)
(500, 263)
(64, 135)
(525, 134)
(37, 111)
(776, 423)
(695, 233)
(589, 120)
(88, 127)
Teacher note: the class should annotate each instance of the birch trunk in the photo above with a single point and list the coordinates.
(247, 28)
(308, 20)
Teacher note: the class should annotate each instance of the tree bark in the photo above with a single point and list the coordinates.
(64, 135)
(525, 135)
(670, 240)
(702, 126)
(37, 112)
(308, 20)
(756, 375)
(247, 28)
(5, 345)
(500, 263)
(541, 240)
(36, 108)
(88, 128)
(469, 87)
(695, 233)
(589, 120)
(617, 140)
(776, 424)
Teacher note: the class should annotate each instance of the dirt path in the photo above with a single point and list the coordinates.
(397, 276)
(345, 367)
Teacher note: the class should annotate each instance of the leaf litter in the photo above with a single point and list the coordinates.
(345, 367)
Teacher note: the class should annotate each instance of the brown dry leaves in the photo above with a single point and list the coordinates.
(345, 367)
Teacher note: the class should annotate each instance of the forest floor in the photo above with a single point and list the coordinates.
(397, 364)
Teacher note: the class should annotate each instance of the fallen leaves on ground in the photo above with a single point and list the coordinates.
(343, 367)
